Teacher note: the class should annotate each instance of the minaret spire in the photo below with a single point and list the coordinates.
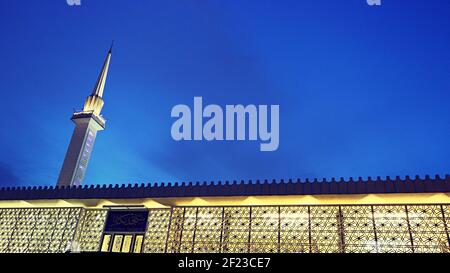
(88, 123)
(94, 103)
(100, 84)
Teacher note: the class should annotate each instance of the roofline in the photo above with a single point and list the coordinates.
(242, 188)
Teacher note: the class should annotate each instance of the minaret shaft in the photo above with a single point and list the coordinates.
(88, 122)
(79, 151)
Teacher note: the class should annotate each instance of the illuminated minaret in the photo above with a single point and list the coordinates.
(88, 122)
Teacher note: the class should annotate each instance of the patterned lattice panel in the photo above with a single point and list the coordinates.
(175, 230)
(264, 235)
(325, 229)
(428, 228)
(358, 229)
(317, 229)
(157, 228)
(188, 231)
(65, 225)
(236, 230)
(392, 229)
(37, 230)
(7, 223)
(294, 229)
(208, 232)
(90, 229)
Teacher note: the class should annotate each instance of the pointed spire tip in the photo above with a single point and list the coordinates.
(110, 49)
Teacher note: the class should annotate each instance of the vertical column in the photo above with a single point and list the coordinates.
(374, 229)
(446, 226)
(409, 228)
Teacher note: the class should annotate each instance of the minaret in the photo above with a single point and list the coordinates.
(88, 122)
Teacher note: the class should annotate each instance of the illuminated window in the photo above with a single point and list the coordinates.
(126, 246)
(105, 243)
(117, 243)
(138, 244)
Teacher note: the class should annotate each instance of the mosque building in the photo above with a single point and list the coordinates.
(373, 215)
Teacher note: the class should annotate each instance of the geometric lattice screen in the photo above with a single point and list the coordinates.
(90, 229)
(49, 230)
(156, 235)
(315, 229)
(40, 230)
(300, 229)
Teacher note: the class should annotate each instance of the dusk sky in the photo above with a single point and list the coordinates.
(363, 90)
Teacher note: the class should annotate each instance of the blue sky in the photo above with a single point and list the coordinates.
(363, 91)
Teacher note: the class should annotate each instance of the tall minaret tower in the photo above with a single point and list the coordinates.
(88, 122)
